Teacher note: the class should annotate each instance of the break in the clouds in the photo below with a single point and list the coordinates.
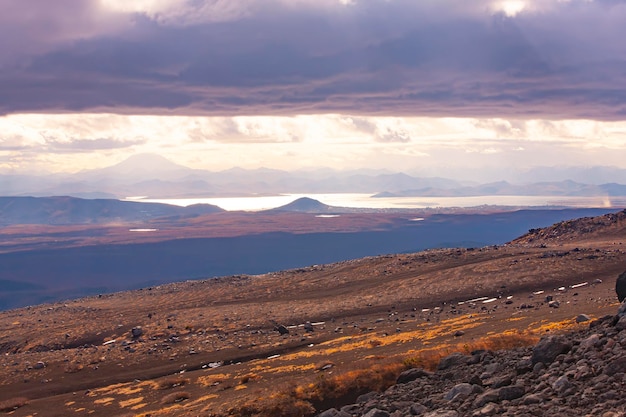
(541, 59)
(449, 147)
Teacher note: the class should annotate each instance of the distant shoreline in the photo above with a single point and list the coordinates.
(369, 201)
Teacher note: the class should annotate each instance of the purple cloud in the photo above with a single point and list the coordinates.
(402, 57)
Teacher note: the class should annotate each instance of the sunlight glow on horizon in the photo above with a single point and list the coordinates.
(75, 142)
(360, 200)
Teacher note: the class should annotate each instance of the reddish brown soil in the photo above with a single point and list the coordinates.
(224, 224)
(363, 312)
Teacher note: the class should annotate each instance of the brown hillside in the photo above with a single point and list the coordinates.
(612, 225)
(212, 347)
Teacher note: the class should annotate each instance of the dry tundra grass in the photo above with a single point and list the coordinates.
(302, 401)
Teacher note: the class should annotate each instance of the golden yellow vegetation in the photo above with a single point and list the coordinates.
(210, 380)
(104, 401)
(132, 401)
(298, 401)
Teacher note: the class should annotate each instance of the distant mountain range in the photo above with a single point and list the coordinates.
(561, 188)
(71, 210)
(156, 177)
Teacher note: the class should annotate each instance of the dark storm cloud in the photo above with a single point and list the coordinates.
(446, 58)
(40, 26)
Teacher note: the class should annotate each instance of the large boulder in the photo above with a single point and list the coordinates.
(548, 349)
(620, 286)
(452, 360)
(411, 375)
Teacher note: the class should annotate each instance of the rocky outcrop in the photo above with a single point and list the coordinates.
(620, 286)
(577, 374)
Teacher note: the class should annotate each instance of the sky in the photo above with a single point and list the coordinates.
(435, 87)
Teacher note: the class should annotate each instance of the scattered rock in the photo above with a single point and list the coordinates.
(366, 397)
(511, 392)
(459, 392)
(562, 384)
(136, 332)
(548, 349)
(616, 366)
(488, 396)
(442, 413)
(532, 399)
(582, 318)
(488, 410)
(375, 412)
(621, 323)
(578, 373)
(417, 409)
(554, 304)
(501, 381)
(452, 360)
(308, 327)
(590, 342)
(326, 367)
(282, 329)
(333, 413)
(523, 366)
(412, 375)
(538, 367)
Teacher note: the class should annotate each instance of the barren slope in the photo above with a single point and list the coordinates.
(362, 312)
